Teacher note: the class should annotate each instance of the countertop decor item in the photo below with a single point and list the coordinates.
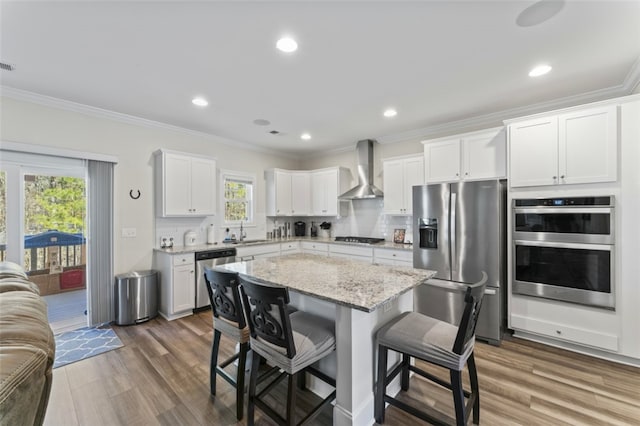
(398, 235)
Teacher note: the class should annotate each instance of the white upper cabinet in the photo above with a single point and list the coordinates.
(442, 161)
(185, 184)
(484, 155)
(588, 142)
(469, 156)
(288, 193)
(399, 176)
(300, 193)
(326, 186)
(571, 148)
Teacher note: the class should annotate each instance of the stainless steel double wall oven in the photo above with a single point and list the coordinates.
(564, 249)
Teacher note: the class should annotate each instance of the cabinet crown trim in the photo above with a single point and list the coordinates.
(162, 151)
(463, 135)
(576, 108)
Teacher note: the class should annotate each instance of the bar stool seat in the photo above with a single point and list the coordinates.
(423, 337)
(291, 341)
(313, 338)
(228, 319)
(436, 342)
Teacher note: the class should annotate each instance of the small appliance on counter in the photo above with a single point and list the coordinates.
(300, 229)
(314, 229)
(211, 234)
(190, 238)
(325, 229)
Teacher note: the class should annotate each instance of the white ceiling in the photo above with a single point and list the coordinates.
(436, 62)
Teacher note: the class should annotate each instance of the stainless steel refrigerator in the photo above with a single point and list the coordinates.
(459, 231)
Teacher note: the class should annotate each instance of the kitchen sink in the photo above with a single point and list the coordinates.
(244, 242)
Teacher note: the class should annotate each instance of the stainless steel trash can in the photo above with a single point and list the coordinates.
(136, 297)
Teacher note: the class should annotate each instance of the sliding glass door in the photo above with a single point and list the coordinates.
(43, 210)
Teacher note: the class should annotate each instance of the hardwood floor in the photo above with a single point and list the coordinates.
(160, 377)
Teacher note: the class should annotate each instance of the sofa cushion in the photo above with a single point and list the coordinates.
(27, 350)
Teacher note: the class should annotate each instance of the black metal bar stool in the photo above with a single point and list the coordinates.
(291, 341)
(437, 342)
(228, 319)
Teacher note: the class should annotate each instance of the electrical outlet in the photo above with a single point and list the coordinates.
(129, 232)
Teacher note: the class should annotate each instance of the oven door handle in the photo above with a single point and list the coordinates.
(564, 210)
(604, 247)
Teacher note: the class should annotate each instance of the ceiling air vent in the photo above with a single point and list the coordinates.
(6, 67)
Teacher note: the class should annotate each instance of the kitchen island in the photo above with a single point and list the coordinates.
(360, 297)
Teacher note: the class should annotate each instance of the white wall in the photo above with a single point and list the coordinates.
(134, 145)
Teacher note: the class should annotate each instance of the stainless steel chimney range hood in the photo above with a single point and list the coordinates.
(365, 188)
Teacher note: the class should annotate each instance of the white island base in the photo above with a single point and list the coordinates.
(356, 355)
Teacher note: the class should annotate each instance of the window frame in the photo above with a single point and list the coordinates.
(249, 178)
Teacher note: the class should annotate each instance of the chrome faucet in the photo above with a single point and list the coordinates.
(242, 234)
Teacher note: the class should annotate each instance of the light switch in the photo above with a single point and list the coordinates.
(128, 232)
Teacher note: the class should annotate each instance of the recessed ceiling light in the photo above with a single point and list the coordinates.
(305, 136)
(539, 70)
(390, 112)
(201, 102)
(287, 44)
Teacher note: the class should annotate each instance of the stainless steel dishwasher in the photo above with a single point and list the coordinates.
(210, 259)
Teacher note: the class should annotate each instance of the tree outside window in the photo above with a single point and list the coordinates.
(238, 199)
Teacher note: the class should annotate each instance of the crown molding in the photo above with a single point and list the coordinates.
(631, 81)
(63, 104)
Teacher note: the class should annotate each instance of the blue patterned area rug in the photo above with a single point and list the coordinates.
(84, 343)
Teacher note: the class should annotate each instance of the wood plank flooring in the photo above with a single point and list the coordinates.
(160, 377)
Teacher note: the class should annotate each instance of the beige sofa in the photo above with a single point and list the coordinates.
(27, 349)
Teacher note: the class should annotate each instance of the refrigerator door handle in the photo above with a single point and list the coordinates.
(454, 252)
(490, 291)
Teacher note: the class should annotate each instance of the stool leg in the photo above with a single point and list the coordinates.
(214, 360)
(242, 363)
(291, 398)
(253, 382)
(458, 396)
(381, 384)
(475, 389)
(404, 380)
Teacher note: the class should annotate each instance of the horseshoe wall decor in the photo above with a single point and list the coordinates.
(135, 197)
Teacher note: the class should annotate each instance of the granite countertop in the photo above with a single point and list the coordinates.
(356, 284)
(205, 247)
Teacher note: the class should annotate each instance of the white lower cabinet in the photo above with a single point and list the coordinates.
(351, 252)
(315, 248)
(258, 251)
(393, 257)
(177, 284)
(291, 247)
(571, 323)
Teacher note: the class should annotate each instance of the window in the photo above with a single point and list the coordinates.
(238, 190)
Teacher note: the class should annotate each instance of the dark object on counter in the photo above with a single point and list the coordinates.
(300, 229)
(314, 229)
(361, 240)
(325, 225)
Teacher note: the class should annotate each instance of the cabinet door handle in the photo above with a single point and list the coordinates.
(466, 173)
(555, 177)
(457, 174)
(561, 176)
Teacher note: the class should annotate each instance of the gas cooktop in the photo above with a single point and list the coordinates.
(361, 240)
